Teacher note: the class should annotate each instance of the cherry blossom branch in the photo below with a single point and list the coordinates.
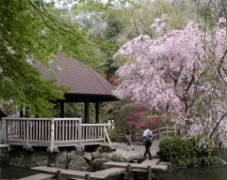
(220, 66)
(217, 124)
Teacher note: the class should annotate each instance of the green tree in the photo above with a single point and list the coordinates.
(33, 31)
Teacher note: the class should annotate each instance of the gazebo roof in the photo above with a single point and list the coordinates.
(84, 83)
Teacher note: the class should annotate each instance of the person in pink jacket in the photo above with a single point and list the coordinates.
(128, 139)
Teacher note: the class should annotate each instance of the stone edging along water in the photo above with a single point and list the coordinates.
(79, 160)
(73, 159)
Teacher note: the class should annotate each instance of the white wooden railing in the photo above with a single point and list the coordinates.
(159, 133)
(166, 131)
(53, 132)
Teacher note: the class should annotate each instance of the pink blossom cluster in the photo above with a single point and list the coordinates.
(160, 25)
(181, 72)
(201, 129)
(173, 70)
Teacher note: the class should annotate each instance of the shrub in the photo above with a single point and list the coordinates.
(115, 135)
(184, 152)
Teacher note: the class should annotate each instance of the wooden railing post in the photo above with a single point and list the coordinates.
(4, 130)
(107, 137)
(149, 173)
(59, 175)
(79, 132)
(27, 131)
(129, 171)
(52, 135)
(87, 177)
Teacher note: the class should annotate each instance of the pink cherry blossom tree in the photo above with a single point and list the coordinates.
(182, 72)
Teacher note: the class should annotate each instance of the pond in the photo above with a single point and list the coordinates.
(15, 172)
(196, 173)
(12, 173)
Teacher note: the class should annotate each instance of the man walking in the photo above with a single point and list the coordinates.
(147, 136)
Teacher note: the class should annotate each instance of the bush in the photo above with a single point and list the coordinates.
(115, 135)
(183, 152)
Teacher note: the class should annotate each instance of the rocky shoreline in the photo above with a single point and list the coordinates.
(75, 160)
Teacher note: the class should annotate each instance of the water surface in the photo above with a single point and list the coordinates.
(195, 173)
(8, 172)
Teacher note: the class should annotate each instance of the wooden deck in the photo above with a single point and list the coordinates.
(53, 133)
(151, 162)
(4, 146)
(138, 167)
(40, 176)
(113, 169)
(102, 174)
(51, 170)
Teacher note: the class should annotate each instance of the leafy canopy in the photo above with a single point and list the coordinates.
(31, 30)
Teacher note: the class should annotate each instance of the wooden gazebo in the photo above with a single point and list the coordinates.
(85, 84)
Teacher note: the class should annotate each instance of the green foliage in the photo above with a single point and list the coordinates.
(119, 112)
(184, 152)
(132, 117)
(114, 27)
(34, 31)
(106, 111)
(115, 135)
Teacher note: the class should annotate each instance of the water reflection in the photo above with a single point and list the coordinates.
(196, 173)
(11, 173)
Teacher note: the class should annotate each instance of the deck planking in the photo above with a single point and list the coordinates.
(74, 173)
(40, 176)
(151, 162)
(137, 167)
(102, 174)
(4, 145)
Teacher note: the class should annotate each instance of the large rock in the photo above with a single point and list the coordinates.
(97, 154)
(61, 160)
(97, 164)
(117, 157)
(78, 163)
(87, 157)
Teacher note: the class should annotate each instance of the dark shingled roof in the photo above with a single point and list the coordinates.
(85, 84)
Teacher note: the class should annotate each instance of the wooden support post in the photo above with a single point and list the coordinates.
(86, 111)
(107, 137)
(87, 177)
(4, 130)
(62, 110)
(52, 135)
(97, 112)
(149, 173)
(129, 171)
(79, 130)
(58, 175)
